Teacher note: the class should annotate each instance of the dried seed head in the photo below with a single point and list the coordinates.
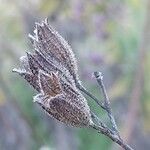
(51, 44)
(52, 71)
(61, 109)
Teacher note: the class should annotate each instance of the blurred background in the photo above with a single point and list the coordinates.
(112, 36)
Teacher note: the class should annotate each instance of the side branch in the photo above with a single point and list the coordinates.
(99, 78)
(105, 105)
(103, 129)
(81, 88)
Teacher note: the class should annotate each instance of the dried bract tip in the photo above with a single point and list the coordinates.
(49, 84)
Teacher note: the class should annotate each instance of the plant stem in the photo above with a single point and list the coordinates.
(81, 88)
(100, 126)
(99, 78)
(113, 137)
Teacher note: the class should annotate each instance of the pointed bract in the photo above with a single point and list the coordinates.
(29, 77)
(49, 84)
(24, 63)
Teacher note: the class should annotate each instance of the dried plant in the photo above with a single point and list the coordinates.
(52, 71)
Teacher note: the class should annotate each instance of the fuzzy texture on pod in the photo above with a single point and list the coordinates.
(52, 70)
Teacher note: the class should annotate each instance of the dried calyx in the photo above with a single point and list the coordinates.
(52, 70)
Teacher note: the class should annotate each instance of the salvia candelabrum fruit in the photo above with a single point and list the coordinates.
(52, 70)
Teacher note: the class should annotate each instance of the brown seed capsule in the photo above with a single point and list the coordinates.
(52, 71)
(51, 44)
(63, 110)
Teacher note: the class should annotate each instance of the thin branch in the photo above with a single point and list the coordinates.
(81, 88)
(113, 137)
(103, 129)
(100, 126)
(99, 78)
(99, 122)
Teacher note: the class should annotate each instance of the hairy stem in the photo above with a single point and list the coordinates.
(106, 131)
(99, 125)
(103, 129)
(99, 122)
(83, 89)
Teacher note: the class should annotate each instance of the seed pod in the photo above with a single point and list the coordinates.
(68, 104)
(51, 44)
(52, 71)
(59, 108)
